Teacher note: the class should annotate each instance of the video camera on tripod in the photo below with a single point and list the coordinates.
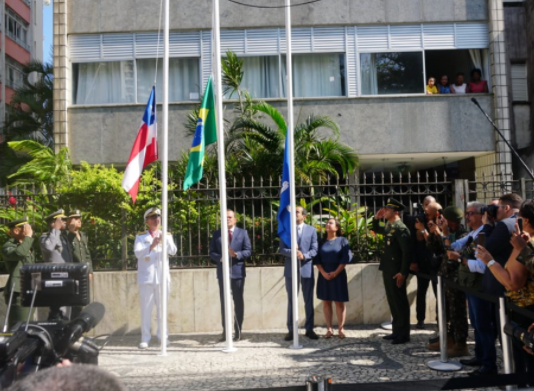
(31, 346)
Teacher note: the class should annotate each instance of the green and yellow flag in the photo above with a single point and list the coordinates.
(205, 134)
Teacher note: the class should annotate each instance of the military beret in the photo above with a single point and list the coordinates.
(74, 213)
(18, 222)
(453, 213)
(395, 205)
(152, 212)
(51, 217)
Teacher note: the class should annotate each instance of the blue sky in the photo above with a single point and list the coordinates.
(48, 29)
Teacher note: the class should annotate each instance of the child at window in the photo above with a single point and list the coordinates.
(431, 88)
(443, 86)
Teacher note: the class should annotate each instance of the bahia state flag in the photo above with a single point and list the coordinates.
(145, 148)
(284, 213)
(205, 134)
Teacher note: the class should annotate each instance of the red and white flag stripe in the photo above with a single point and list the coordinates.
(145, 149)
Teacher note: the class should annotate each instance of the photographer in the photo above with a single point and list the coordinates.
(426, 261)
(16, 252)
(447, 229)
(517, 276)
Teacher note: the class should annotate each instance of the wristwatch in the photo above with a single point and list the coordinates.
(423, 231)
(491, 263)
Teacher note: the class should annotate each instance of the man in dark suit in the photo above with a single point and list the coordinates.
(498, 244)
(239, 250)
(306, 251)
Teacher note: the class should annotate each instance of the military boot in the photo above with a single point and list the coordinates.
(458, 350)
(435, 346)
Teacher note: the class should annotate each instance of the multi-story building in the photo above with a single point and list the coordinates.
(21, 41)
(363, 62)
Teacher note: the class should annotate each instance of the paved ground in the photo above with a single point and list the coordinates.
(196, 362)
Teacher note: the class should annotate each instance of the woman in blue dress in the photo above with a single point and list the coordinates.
(332, 257)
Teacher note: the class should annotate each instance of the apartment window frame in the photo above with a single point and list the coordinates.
(17, 28)
(136, 99)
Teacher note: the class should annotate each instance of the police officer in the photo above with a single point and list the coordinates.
(395, 266)
(80, 248)
(56, 248)
(16, 252)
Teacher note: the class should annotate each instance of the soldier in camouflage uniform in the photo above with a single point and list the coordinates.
(16, 252)
(448, 230)
(395, 266)
(80, 247)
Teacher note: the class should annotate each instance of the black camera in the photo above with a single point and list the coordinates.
(419, 214)
(491, 210)
(29, 347)
(517, 332)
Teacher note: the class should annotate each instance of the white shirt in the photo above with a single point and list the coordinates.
(459, 89)
(300, 229)
(148, 261)
(474, 265)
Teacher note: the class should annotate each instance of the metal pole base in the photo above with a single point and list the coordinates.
(387, 326)
(449, 366)
(230, 350)
(295, 347)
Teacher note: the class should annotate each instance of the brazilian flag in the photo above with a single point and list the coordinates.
(205, 134)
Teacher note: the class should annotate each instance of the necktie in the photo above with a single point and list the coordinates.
(299, 232)
(230, 236)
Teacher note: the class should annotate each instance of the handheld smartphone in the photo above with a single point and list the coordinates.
(520, 224)
(481, 239)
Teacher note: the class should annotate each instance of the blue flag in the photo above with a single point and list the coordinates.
(284, 215)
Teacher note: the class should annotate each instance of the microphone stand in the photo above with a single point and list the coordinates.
(506, 141)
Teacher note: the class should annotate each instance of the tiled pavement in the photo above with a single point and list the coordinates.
(263, 359)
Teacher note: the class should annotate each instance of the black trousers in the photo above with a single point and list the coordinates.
(422, 288)
(237, 286)
(398, 305)
(523, 362)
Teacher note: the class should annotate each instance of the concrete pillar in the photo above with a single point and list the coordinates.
(61, 75)
(500, 86)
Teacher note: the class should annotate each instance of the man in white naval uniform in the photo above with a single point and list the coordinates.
(148, 249)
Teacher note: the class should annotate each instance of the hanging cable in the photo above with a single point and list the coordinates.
(272, 6)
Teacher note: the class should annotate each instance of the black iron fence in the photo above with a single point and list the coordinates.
(194, 214)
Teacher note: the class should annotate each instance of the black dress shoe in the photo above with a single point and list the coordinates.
(420, 325)
(472, 362)
(289, 336)
(310, 334)
(237, 337)
(433, 340)
(389, 337)
(399, 341)
(483, 371)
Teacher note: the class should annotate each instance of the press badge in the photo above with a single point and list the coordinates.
(147, 258)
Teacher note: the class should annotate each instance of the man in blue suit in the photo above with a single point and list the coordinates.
(306, 251)
(239, 250)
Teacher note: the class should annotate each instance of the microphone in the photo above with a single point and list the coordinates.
(476, 102)
(88, 318)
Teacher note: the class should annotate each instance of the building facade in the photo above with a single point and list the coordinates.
(21, 41)
(365, 63)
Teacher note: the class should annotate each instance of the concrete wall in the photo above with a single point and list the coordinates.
(370, 125)
(194, 300)
(99, 16)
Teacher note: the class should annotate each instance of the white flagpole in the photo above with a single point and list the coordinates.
(164, 184)
(222, 179)
(294, 262)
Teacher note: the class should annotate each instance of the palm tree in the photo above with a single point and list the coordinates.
(29, 116)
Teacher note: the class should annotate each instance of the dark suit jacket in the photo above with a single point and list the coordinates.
(308, 245)
(240, 244)
(498, 245)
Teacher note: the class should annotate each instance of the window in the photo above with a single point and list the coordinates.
(17, 28)
(261, 76)
(392, 73)
(131, 81)
(183, 79)
(317, 74)
(14, 74)
(104, 82)
(519, 82)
